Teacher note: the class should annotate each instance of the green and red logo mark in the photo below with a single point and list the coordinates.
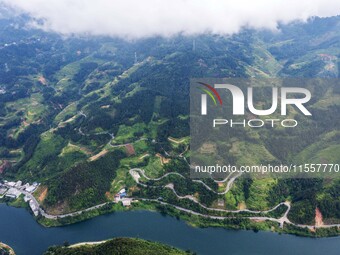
(210, 91)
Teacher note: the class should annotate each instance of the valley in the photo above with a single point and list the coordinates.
(82, 117)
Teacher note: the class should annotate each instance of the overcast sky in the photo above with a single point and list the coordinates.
(144, 18)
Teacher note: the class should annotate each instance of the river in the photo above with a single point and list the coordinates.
(19, 230)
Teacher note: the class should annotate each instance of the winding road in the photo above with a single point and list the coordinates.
(281, 221)
(284, 219)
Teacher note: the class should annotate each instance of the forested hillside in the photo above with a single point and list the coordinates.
(76, 114)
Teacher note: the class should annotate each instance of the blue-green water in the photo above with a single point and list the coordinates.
(19, 230)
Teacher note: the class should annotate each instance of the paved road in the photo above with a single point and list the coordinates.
(281, 220)
(229, 184)
(171, 186)
(121, 145)
(51, 216)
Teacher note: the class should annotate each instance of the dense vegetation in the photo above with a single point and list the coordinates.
(86, 183)
(69, 107)
(4, 252)
(118, 246)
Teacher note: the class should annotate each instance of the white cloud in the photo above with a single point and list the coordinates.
(143, 18)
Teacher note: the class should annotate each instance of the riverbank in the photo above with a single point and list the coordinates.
(274, 219)
(35, 239)
(236, 221)
(196, 220)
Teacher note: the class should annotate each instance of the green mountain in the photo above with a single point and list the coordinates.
(77, 114)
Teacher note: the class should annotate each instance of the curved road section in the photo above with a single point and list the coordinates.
(136, 174)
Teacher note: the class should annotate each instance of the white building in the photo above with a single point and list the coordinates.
(11, 184)
(18, 184)
(13, 193)
(31, 189)
(126, 201)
